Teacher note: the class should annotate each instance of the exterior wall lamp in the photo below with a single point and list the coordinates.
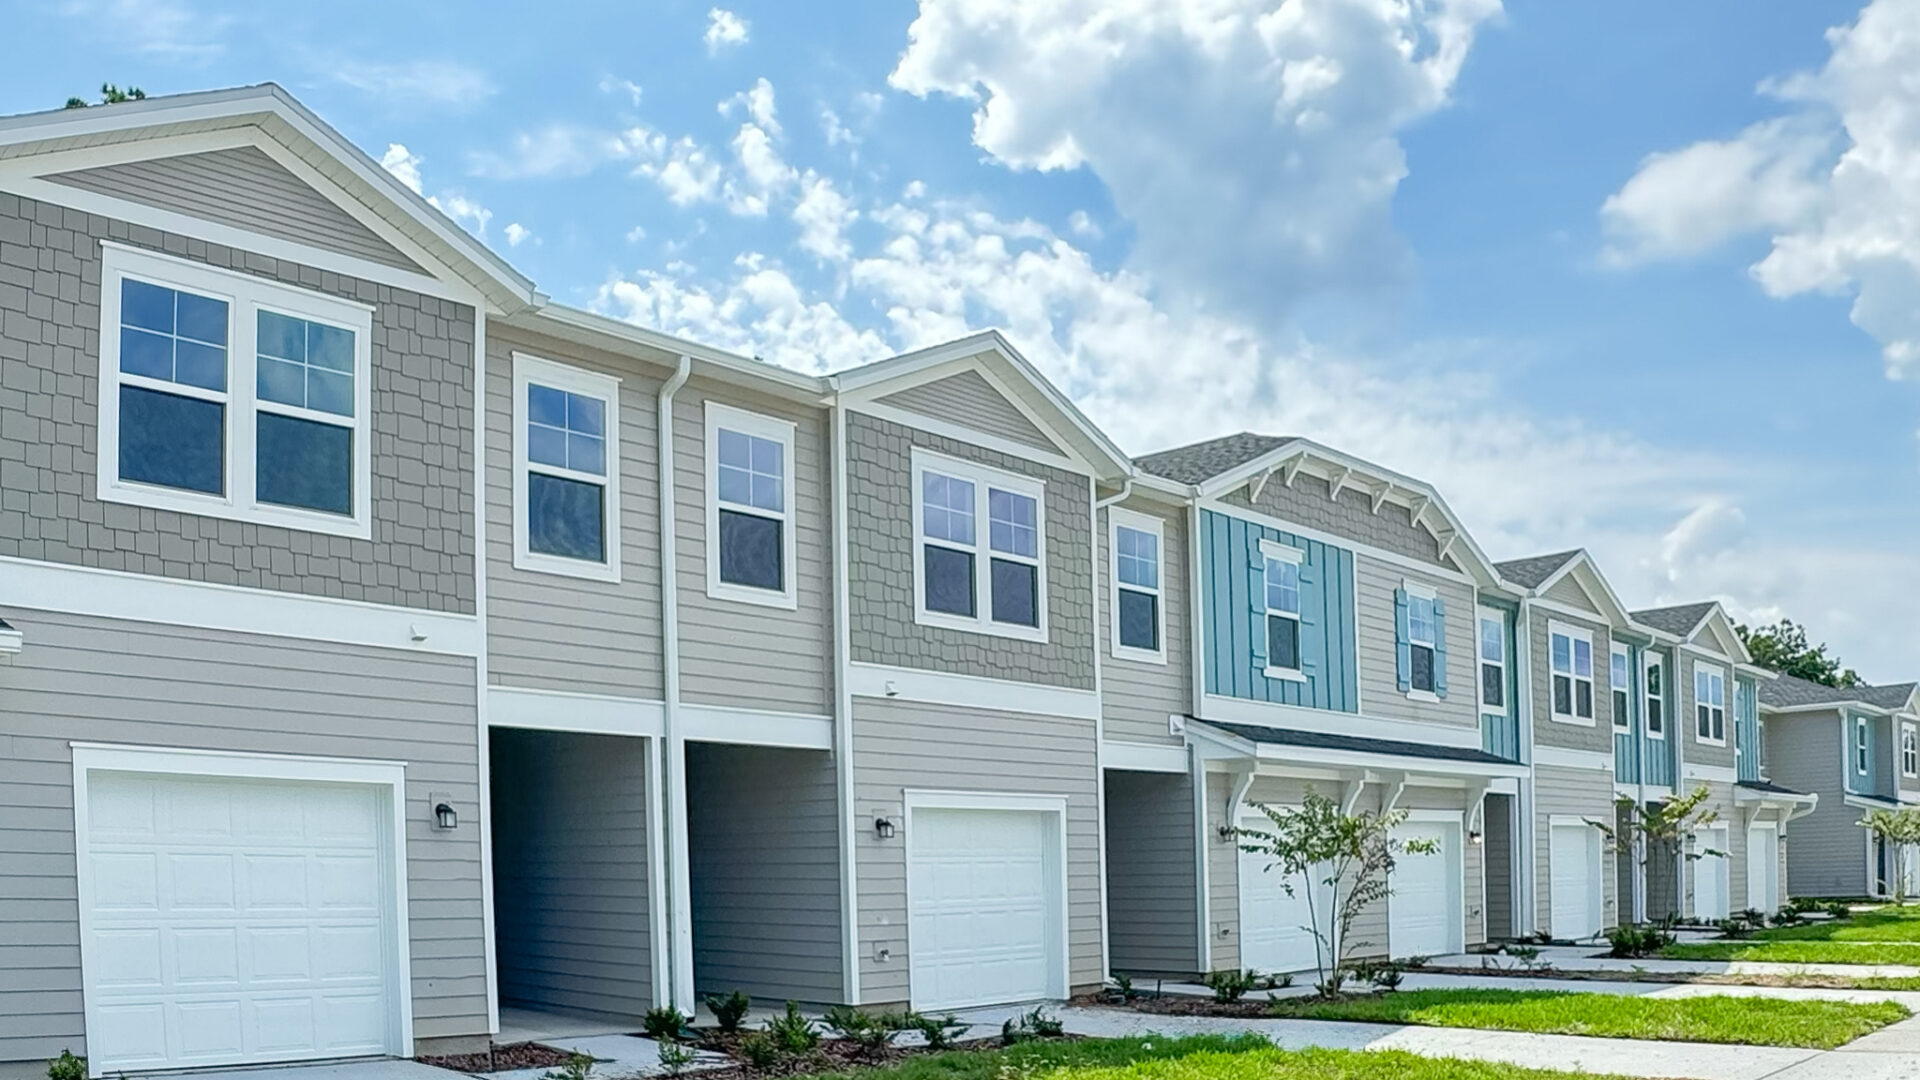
(445, 819)
(883, 827)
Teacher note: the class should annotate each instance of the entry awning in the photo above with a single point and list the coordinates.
(1325, 749)
(1755, 796)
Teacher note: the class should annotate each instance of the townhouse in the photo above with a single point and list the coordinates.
(1858, 750)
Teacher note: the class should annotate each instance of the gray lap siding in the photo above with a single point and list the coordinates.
(1138, 696)
(1152, 899)
(97, 680)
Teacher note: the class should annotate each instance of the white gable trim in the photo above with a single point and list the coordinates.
(935, 426)
(1589, 580)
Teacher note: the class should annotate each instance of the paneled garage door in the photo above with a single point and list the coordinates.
(1274, 934)
(983, 895)
(1424, 912)
(1575, 881)
(236, 921)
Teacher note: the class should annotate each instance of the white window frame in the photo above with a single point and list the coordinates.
(1710, 672)
(1862, 759)
(528, 370)
(982, 477)
(1625, 655)
(1423, 591)
(1649, 662)
(1572, 634)
(1120, 518)
(1480, 661)
(1909, 749)
(245, 295)
(773, 429)
(1274, 550)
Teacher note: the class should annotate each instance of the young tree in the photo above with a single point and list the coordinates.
(110, 95)
(1783, 647)
(1899, 829)
(1666, 824)
(1348, 855)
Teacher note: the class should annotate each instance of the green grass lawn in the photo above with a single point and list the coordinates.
(1719, 1019)
(1881, 936)
(1247, 1057)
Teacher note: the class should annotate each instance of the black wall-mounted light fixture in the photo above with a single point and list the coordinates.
(445, 818)
(1476, 838)
(883, 827)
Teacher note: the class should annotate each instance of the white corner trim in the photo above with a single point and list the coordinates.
(754, 727)
(117, 594)
(1143, 757)
(719, 415)
(561, 710)
(940, 688)
(1561, 757)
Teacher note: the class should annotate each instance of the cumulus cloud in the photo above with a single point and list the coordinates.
(435, 82)
(1281, 146)
(559, 150)
(517, 234)
(405, 166)
(1833, 182)
(724, 30)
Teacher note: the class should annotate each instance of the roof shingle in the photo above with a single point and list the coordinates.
(1679, 619)
(1323, 741)
(1792, 692)
(1534, 569)
(1196, 463)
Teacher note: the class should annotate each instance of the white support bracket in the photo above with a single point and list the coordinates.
(1259, 484)
(1237, 797)
(1338, 483)
(1380, 496)
(1354, 789)
(1399, 782)
(1447, 544)
(1418, 508)
(1477, 806)
(1291, 469)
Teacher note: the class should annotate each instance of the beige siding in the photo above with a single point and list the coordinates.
(1827, 849)
(551, 631)
(900, 746)
(1568, 591)
(1152, 887)
(763, 845)
(572, 924)
(745, 655)
(1583, 793)
(967, 399)
(1375, 581)
(1720, 803)
(96, 680)
(1547, 731)
(244, 188)
(1697, 752)
(1138, 697)
(1223, 876)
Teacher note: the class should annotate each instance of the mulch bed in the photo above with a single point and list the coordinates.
(524, 1055)
(1252, 1007)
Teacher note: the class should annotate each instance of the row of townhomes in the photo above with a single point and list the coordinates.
(386, 645)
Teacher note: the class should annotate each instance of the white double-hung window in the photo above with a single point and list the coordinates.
(980, 535)
(233, 396)
(1493, 662)
(1139, 616)
(566, 475)
(1621, 685)
(1283, 608)
(1571, 656)
(749, 507)
(1709, 705)
(1909, 750)
(1656, 698)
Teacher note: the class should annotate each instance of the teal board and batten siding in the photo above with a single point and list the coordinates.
(1629, 752)
(1657, 754)
(1233, 580)
(1746, 729)
(1500, 729)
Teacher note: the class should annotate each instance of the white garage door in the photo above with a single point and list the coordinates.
(1763, 868)
(1710, 892)
(1274, 934)
(1574, 865)
(983, 902)
(236, 921)
(1424, 910)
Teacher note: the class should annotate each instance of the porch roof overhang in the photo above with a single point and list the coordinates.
(1321, 750)
(1757, 796)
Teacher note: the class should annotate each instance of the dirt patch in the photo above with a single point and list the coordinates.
(1252, 1007)
(498, 1058)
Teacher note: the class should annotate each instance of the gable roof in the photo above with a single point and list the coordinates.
(1794, 692)
(1538, 574)
(1531, 571)
(1680, 620)
(278, 118)
(1196, 463)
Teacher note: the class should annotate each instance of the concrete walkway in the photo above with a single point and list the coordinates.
(1893, 1053)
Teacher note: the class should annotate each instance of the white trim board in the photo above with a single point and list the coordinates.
(1234, 710)
(149, 598)
(390, 776)
(1712, 774)
(755, 727)
(1560, 757)
(1142, 757)
(561, 710)
(888, 683)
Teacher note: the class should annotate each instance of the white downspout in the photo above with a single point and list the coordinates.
(1529, 908)
(843, 718)
(1100, 715)
(674, 775)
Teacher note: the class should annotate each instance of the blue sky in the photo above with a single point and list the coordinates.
(1640, 277)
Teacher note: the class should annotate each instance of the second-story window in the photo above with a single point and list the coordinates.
(750, 476)
(1709, 705)
(1423, 637)
(1862, 759)
(1571, 658)
(1656, 699)
(1909, 750)
(1283, 607)
(1621, 687)
(566, 470)
(980, 539)
(1493, 662)
(1138, 617)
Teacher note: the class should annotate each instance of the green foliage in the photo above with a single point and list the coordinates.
(1229, 986)
(1521, 957)
(575, 1068)
(1900, 829)
(938, 1031)
(1382, 975)
(1783, 647)
(1632, 941)
(675, 1056)
(1733, 929)
(728, 1011)
(110, 95)
(760, 1050)
(793, 1033)
(67, 1067)
(1036, 1024)
(664, 1022)
(1349, 856)
(871, 1032)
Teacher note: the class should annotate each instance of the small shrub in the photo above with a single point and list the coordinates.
(871, 1032)
(1837, 909)
(1037, 1024)
(67, 1067)
(730, 1010)
(1633, 941)
(792, 1033)
(1388, 977)
(665, 1022)
(1124, 984)
(1754, 917)
(1732, 929)
(1415, 963)
(1229, 986)
(575, 1068)
(939, 1031)
(675, 1056)
(761, 1050)
(1331, 983)
(1364, 970)
(1280, 981)
(1789, 916)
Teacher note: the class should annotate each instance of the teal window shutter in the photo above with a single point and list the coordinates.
(1403, 651)
(1312, 604)
(1257, 600)
(1439, 647)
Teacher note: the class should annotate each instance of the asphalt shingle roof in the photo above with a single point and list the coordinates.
(1791, 691)
(1768, 786)
(1534, 569)
(1678, 619)
(1322, 741)
(1196, 463)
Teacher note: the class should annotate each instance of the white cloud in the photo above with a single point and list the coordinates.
(630, 89)
(758, 101)
(835, 131)
(636, 234)
(1083, 225)
(725, 30)
(1268, 175)
(405, 166)
(517, 234)
(1835, 182)
(563, 150)
(823, 215)
(436, 82)
(165, 28)
(684, 171)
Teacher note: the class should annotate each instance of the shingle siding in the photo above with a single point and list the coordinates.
(422, 551)
(1350, 516)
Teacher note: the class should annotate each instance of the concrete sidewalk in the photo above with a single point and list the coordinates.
(1891, 1054)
